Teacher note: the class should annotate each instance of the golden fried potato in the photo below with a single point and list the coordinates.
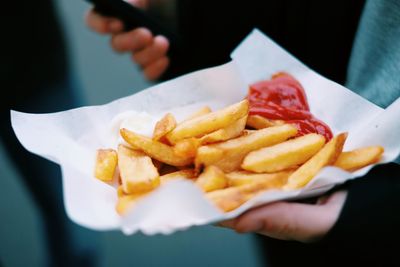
(187, 148)
(138, 173)
(284, 155)
(208, 123)
(229, 132)
(359, 158)
(106, 163)
(164, 126)
(326, 156)
(211, 179)
(277, 179)
(155, 149)
(259, 122)
(120, 191)
(232, 197)
(126, 202)
(181, 174)
(229, 155)
(200, 112)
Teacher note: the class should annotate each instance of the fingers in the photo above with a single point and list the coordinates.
(156, 69)
(292, 221)
(157, 49)
(284, 220)
(139, 3)
(135, 40)
(149, 52)
(101, 24)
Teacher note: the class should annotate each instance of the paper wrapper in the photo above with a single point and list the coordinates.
(71, 138)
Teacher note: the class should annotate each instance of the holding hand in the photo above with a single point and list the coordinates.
(291, 221)
(147, 50)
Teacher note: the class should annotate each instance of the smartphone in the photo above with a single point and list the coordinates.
(133, 17)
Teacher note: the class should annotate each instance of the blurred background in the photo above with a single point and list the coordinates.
(104, 76)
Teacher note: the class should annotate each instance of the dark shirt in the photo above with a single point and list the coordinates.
(319, 33)
(33, 53)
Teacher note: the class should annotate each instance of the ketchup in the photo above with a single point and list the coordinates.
(283, 98)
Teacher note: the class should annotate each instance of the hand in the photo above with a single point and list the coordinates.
(291, 221)
(148, 51)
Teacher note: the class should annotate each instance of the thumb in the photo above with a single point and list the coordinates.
(144, 4)
(293, 221)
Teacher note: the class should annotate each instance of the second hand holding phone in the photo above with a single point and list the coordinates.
(133, 17)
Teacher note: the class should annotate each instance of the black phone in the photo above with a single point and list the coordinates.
(133, 17)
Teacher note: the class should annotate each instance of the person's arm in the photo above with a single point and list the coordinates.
(147, 50)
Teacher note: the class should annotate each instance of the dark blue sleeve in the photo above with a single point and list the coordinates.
(369, 223)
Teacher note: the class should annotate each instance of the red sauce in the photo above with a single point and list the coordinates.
(283, 98)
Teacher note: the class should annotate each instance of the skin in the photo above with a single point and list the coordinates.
(146, 50)
(281, 220)
(291, 221)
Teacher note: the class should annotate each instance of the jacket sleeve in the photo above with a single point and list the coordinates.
(370, 219)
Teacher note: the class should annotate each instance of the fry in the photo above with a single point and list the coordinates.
(228, 156)
(126, 202)
(212, 179)
(226, 133)
(326, 156)
(359, 158)
(209, 122)
(232, 197)
(138, 173)
(277, 179)
(284, 155)
(164, 126)
(120, 191)
(259, 122)
(200, 112)
(106, 163)
(187, 148)
(182, 174)
(155, 149)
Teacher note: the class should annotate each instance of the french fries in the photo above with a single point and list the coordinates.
(231, 198)
(182, 174)
(164, 126)
(127, 202)
(284, 155)
(212, 179)
(358, 158)
(137, 171)
(106, 163)
(187, 147)
(155, 149)
(259, 122)
(209, 122)
(326, 156)
(226, 133)
(277, 179)
(200, 112)
(228, 156)
(227, 161)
